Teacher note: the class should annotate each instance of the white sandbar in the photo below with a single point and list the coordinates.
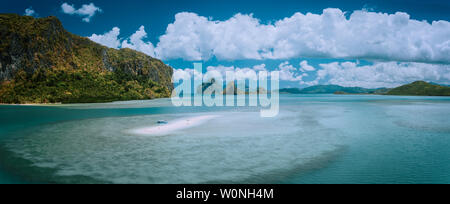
(173, 126)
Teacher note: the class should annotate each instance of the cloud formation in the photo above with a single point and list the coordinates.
(305, 67)
(362, 35)
(110, 39)
(87, 11)
(30, 12)
(403, 50)
(136, 42)
(236, 73)
(347, 74)
(289, 72)
(184, 74)
(382, 74)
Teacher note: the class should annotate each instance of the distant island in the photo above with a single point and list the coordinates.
(207, 88)
(333, 89)
(418, 88)
(40, 62)
(421, 88)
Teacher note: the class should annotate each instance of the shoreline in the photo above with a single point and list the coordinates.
(30, 104)
(60, 103)
(109, 102)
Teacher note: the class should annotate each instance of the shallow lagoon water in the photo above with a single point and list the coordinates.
(314, 139)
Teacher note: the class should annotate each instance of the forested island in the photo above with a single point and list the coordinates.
(418, 88)
(41, 62)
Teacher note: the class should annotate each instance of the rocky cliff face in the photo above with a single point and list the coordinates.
(41, 62)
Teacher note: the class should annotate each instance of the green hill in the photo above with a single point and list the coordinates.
(446, 85)
(329, 89)
(421, 88)
(418, 88)
(40, 62)
(290, 91)
(230, 89)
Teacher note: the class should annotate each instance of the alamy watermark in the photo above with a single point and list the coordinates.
(211, 88)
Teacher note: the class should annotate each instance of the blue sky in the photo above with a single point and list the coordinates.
(342, 47)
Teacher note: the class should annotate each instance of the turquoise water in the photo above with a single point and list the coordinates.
(314, 139)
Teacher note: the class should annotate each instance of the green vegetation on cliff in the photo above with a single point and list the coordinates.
(421, 88)
(40, 62)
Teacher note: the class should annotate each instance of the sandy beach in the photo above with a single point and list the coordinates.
(172, 126)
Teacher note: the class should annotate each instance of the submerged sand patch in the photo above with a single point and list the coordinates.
(172, 126)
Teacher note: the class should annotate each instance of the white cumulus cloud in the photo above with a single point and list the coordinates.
(382, 74)
(362, 35)
(110, 39)
(289, 72)
(305, 67)
(137, 42)
(403, 49)
(193, 37)
(87, 11)
(236, 73)
(184, 74)
(30, 12)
